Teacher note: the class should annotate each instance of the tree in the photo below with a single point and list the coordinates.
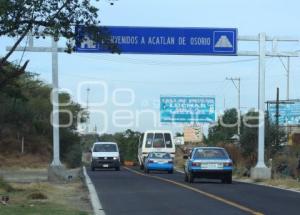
(249, 137)
(24, 112)
(220, 133)
(56, 18)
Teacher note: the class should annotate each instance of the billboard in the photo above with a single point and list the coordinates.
(187, 109)
(163, 40)
(289, 112)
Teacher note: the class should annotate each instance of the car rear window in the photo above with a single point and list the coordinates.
(160, 155)
(168, 140)
(105, 148)
(149, 140)
(210, 154)
(158, 141)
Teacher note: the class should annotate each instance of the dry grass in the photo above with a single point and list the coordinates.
(70, 198)
(71, 195)
(19, 161)
(287, 183)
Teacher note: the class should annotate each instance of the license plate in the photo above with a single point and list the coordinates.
(211, 166)
(105, 165)
(162, 162)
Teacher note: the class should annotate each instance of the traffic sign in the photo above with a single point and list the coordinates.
(161, 40)
(289, 113)
(187, 109)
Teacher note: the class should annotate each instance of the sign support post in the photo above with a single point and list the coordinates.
(55, 105)
(54, 94)
(261, 171)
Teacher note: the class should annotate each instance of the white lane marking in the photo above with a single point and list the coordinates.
(96, 204)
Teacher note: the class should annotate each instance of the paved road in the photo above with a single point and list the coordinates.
(131, 192)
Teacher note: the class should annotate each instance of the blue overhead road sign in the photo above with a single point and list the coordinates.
(159, 40)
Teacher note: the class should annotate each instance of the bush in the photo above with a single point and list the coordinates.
(73, 157)
(285, 162)
(5, 186)
(37, 196)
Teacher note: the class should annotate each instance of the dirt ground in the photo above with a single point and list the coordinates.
(70, 197)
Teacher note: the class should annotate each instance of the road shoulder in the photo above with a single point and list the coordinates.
(96, 204)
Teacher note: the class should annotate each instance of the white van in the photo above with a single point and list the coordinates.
(155, 141)
(105, 155)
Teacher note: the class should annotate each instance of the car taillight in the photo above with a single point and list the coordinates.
(196, 164)
(228, 164)
(170, 161)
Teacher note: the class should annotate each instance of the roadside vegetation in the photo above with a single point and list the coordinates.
(25, 117)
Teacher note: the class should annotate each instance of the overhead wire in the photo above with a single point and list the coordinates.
(136, 61)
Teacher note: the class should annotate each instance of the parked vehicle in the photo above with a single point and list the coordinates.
(105, 155)
(159, 161)
(208, 162)
(155, 141)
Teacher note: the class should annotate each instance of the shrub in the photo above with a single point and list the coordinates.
(285, 162)
(37, 196)
(5, 186)
(73, 158)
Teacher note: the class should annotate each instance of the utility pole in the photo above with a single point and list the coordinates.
(238, 87)
(87, 109)
(287, 69)
(277, 117)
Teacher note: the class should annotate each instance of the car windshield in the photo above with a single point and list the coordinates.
(160, 155)
(105, 148)
(210, 154)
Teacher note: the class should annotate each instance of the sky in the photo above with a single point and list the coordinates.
(140, 80)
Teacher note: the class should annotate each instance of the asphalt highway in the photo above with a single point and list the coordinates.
(130, 191)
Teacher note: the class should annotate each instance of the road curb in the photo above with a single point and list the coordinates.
(96, 204)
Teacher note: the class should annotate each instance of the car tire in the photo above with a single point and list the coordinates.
(186, 178)
(142, 167)
(229, 179)
(170, 171)
(92, 168)
(117, 168)
(190, 177)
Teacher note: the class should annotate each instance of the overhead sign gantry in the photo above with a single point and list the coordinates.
(209, 41)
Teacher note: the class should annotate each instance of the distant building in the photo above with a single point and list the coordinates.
(294, 136)
(193, 134)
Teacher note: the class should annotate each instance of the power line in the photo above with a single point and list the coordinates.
(164, 63)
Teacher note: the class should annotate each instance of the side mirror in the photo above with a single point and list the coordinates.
(185, 157)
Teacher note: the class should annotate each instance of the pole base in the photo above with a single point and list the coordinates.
(60, 174)
(56, 173)
(260, 173)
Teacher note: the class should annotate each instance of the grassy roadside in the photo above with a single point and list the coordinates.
(45, 198)
(284, 183)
